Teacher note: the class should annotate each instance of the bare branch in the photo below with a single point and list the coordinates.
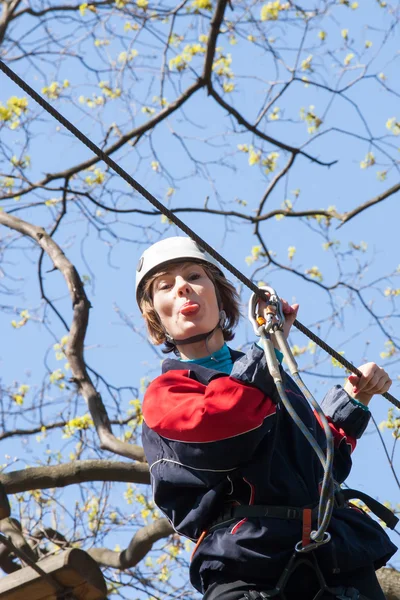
(274, 182)
(212, 41)
(8, 14)
(57, 476)
(137, 132)
(376, 200)
(242, 121)
(75, 346)
(311, 212)
(11, 528)
(52, 535)
(50, 426)
(61, 8)
(139, 546)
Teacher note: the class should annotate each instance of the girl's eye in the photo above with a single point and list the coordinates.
(164, 286)
(194, 276)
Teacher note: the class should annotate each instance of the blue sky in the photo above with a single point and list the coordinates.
(120, 354)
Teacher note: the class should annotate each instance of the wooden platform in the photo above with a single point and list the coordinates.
(73, 570)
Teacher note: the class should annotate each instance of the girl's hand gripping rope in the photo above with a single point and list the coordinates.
(272, 319)
(277, 312)
(373, 380)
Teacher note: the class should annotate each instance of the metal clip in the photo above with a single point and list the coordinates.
(274, 313)
(303, 549)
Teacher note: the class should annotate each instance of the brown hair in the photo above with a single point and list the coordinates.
(227, 296)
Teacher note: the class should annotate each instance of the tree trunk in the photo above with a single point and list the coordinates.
(390, 582)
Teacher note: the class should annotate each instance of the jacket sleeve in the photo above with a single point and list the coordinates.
(182, 409)
(348, 421)
(344, 413)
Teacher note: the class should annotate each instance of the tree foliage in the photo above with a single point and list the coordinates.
(271, 128)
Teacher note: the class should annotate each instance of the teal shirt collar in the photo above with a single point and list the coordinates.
(220, 360)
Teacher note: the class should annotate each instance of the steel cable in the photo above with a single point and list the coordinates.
(170, 215)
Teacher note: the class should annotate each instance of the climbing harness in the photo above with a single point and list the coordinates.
(324, 592)
(172, 217)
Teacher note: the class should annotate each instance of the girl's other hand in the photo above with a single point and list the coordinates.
(290, 311)
(374, 380)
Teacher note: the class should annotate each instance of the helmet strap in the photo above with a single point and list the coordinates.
(201, 336)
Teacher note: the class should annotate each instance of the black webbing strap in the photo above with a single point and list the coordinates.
(339, 593)
(235, 513)
(381, 511)
(325, 591)
(342, 496)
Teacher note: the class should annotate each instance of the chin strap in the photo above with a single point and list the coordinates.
(201, 336)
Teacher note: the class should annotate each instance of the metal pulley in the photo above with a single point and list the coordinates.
(273, 318)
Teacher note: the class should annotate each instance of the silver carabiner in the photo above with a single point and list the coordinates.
(274, 318)
(313, 545)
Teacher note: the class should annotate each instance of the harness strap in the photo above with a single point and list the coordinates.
(307, 521)
(232, 513)
(342, 496)
(381, 511)
(325, 591)
(340, 593)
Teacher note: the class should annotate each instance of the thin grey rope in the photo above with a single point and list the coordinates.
(170, 215)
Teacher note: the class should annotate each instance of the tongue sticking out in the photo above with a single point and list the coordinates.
(189, 309)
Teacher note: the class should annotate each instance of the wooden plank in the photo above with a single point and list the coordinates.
(73, 569)
(5, 510)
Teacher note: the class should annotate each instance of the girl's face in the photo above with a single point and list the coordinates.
(185, 300)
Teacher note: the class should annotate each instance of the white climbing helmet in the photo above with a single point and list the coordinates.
(166, 252)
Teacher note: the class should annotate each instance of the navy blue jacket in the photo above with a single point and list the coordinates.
(213, 439)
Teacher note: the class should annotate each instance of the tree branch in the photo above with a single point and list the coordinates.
(75, 345)
(138, 131)
(212, 42)
(11, 528)
(139, 546)
(61, 8)
(362, 207)
(242, 121)
(274, 182)
(7, 16)
(229, 213)
(50, 426)
(57, 476)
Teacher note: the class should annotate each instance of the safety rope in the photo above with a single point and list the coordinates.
(173, 218)
(269, 327)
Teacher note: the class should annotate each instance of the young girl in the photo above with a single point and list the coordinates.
(229, 467)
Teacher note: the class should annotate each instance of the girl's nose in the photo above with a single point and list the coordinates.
(183, 287)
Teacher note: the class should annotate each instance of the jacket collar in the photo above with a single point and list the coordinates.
(198, 372)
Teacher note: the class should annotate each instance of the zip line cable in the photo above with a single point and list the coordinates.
(170, 215)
